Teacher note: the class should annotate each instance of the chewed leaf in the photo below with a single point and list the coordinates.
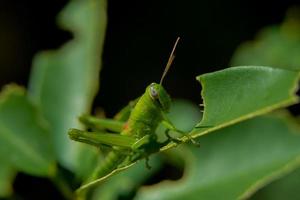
(239, 93)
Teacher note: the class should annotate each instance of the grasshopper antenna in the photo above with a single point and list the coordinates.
(170, 61)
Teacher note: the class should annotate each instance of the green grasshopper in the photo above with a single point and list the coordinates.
(136, 125)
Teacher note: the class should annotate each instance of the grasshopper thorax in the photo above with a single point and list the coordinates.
(159, 95)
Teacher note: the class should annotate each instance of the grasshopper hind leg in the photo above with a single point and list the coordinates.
(102, 124)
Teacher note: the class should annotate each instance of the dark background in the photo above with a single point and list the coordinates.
(139, 38)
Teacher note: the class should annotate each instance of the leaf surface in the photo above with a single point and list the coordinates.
(277, 46)
(239, 93)
(25, 141)
(64, 82)
(284, 188)
(234, 162)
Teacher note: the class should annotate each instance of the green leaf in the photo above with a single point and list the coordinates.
(7, 174)
(96, 182)
(234, 162)
(239, 93)
(125, 183)
(284, 188)
(277, 46)
(65, 81)
(24, 139)
(184, 114)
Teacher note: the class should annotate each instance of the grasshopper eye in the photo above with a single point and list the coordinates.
(153, 93)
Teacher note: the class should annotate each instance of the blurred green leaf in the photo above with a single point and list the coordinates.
(234, 162)
(7, 174)
(24, 139)
(65, 81)
(277, 46)
(124, 184)
(284, 188)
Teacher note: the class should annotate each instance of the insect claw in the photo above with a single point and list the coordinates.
(194, 142)
(197, 144)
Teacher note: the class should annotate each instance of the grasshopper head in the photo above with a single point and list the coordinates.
(159, 95)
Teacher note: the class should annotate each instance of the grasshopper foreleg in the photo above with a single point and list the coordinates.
(171, 127)
(170, 139)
